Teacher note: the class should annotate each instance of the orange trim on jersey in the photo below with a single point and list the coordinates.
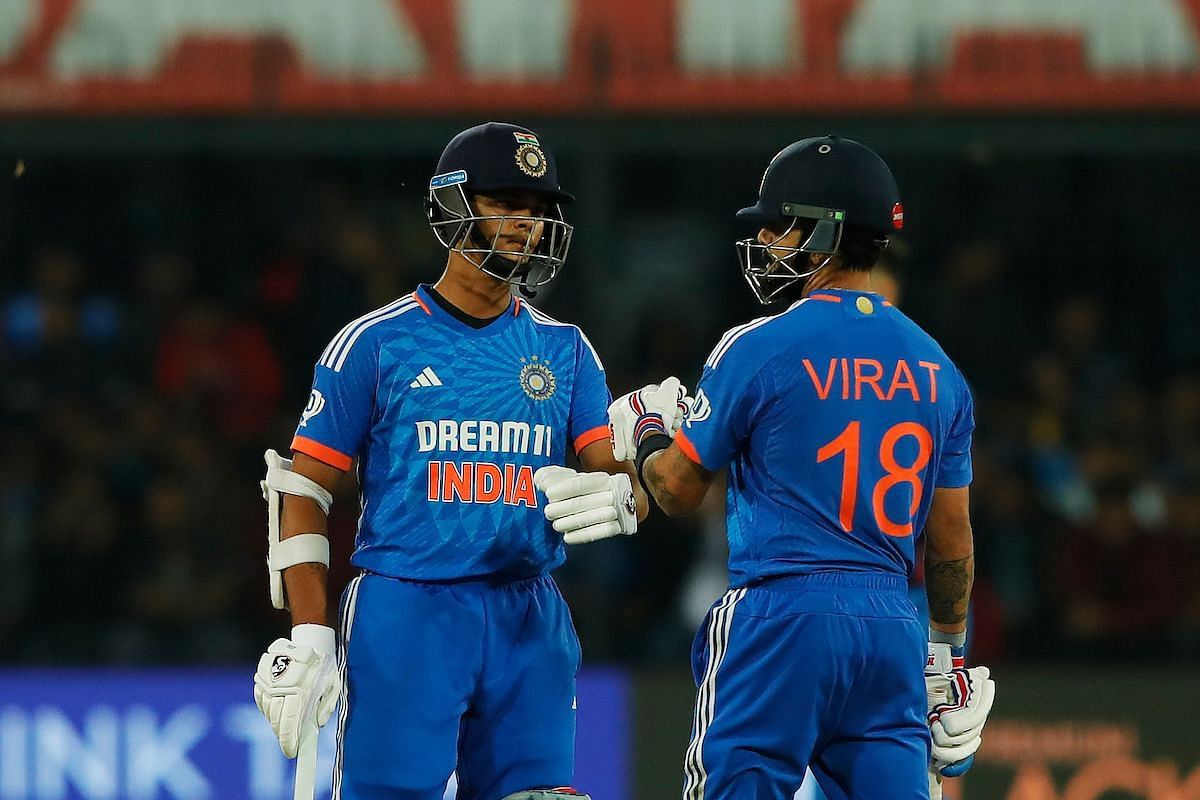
(687, 447)
(421, 303)
(517, 307)
(326, 455)
(828, 298)
(590, 437)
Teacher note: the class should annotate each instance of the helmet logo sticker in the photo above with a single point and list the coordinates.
(448, 179)
(530, 158)
(823, 149)
(898, 216)
(536, 379)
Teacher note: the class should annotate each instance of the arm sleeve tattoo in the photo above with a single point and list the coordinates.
(948, 586)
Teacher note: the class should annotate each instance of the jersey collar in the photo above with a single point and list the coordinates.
(440, 316)
(836, 294)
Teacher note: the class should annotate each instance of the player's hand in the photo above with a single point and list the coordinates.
(297, 682)
(655, 408)
(586, 506)
(959, 701)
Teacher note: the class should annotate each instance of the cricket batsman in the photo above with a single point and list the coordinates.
(459, 402)
(846, 431)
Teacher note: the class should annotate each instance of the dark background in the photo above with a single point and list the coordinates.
(166, 285)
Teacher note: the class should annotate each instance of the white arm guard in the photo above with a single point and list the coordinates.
(303, 548)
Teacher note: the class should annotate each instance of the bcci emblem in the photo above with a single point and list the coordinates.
(530, 158)
(536, 379)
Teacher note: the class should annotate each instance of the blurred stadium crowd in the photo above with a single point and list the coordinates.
(154, 339)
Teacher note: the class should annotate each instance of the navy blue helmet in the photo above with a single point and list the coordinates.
(498, 157)
(826, 185)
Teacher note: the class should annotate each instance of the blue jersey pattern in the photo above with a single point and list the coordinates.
(449, 423)
(837, 419)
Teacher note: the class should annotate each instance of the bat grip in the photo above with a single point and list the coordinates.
(306, 764)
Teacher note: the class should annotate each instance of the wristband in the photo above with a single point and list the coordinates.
(648, 425)
(957, 640)
(646, 448)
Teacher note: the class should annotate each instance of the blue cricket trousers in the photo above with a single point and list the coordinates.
(470, 676)
(822, 671)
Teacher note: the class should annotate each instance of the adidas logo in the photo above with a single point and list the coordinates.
(427, 378)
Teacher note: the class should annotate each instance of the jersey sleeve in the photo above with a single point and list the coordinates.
(338, 413)
(955, 469)
(721, 416)
(590, 400)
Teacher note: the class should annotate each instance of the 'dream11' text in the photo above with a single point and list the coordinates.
(484, 436)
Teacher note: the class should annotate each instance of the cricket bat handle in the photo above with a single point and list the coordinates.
(935, 785)
(306, 765)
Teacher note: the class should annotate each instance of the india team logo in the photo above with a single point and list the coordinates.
(316, 402)
(536, 379)
(530, 157)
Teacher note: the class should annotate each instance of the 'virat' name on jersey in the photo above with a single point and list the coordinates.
(857, 373)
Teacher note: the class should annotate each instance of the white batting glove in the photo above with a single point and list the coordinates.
(655, 408)
(959, 701)
(297, 683)
(586, 506)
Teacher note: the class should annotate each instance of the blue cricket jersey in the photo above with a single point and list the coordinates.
(449, 423)
(837, 419)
